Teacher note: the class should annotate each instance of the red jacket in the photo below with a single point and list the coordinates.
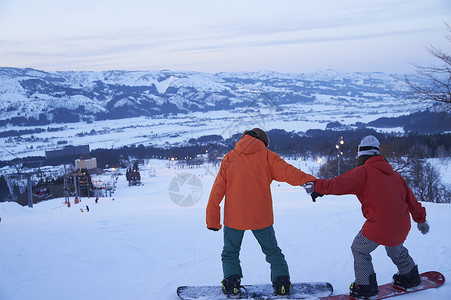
(244, 179)
(385, 197)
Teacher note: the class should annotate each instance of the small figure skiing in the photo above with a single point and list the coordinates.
(387, 203)
(244, 179)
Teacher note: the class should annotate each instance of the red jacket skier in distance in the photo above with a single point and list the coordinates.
(244, 179)
(385, 197)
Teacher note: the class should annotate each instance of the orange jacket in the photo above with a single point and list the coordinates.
(244, 179)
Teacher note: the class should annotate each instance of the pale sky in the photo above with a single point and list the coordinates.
(289, 36)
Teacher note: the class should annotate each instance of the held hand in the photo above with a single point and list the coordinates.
(315, 195)
(309, 187)
(213, 229)
(423, 227)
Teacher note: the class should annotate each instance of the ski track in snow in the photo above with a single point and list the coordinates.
(142, 245)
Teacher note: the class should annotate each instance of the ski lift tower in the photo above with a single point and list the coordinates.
(75, 179)
(28, 176)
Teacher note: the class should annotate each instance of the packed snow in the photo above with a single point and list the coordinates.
(140, 244)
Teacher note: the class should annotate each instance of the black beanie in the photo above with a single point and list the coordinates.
(258, 134)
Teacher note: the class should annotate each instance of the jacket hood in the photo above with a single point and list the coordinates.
(248, 145)
(380, 163)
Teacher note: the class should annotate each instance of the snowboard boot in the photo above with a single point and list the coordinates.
(282, 286)
(410, 280)
(231, 286)
(365, 291)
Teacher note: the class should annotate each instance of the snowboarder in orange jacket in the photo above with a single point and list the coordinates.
(244, 179)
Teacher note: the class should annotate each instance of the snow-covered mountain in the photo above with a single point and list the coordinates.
(34, 97)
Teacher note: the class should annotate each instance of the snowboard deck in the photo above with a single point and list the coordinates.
(431, 279)
(300, 290)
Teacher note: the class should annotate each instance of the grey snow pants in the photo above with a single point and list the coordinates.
(363, 267)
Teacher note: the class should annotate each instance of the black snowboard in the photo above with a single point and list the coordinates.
(299, 290)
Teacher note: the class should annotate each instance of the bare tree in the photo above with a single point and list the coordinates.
(433, 82)
(422, 176)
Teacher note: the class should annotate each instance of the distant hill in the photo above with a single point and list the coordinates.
(34, 97)
(420, 122)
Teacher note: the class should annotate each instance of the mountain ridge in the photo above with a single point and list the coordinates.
(29, 96)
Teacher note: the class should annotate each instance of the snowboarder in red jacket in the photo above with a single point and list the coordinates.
(387, 203)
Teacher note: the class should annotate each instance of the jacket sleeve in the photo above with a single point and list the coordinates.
(283, 171)
(216, 195)
(417, 211)
(351, 182)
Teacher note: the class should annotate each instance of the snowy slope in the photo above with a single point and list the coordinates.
(141, 245)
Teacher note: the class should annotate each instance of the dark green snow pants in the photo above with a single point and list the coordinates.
(266, 238)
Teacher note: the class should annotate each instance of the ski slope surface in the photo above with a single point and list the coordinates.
(144, 241)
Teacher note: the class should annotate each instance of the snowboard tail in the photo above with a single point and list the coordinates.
(300, 290)
(429, 280)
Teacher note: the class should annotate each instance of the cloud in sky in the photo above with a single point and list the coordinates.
(214, 36)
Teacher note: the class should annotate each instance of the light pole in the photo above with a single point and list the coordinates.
(340, 143)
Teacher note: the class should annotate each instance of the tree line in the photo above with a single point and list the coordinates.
(408, 154)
